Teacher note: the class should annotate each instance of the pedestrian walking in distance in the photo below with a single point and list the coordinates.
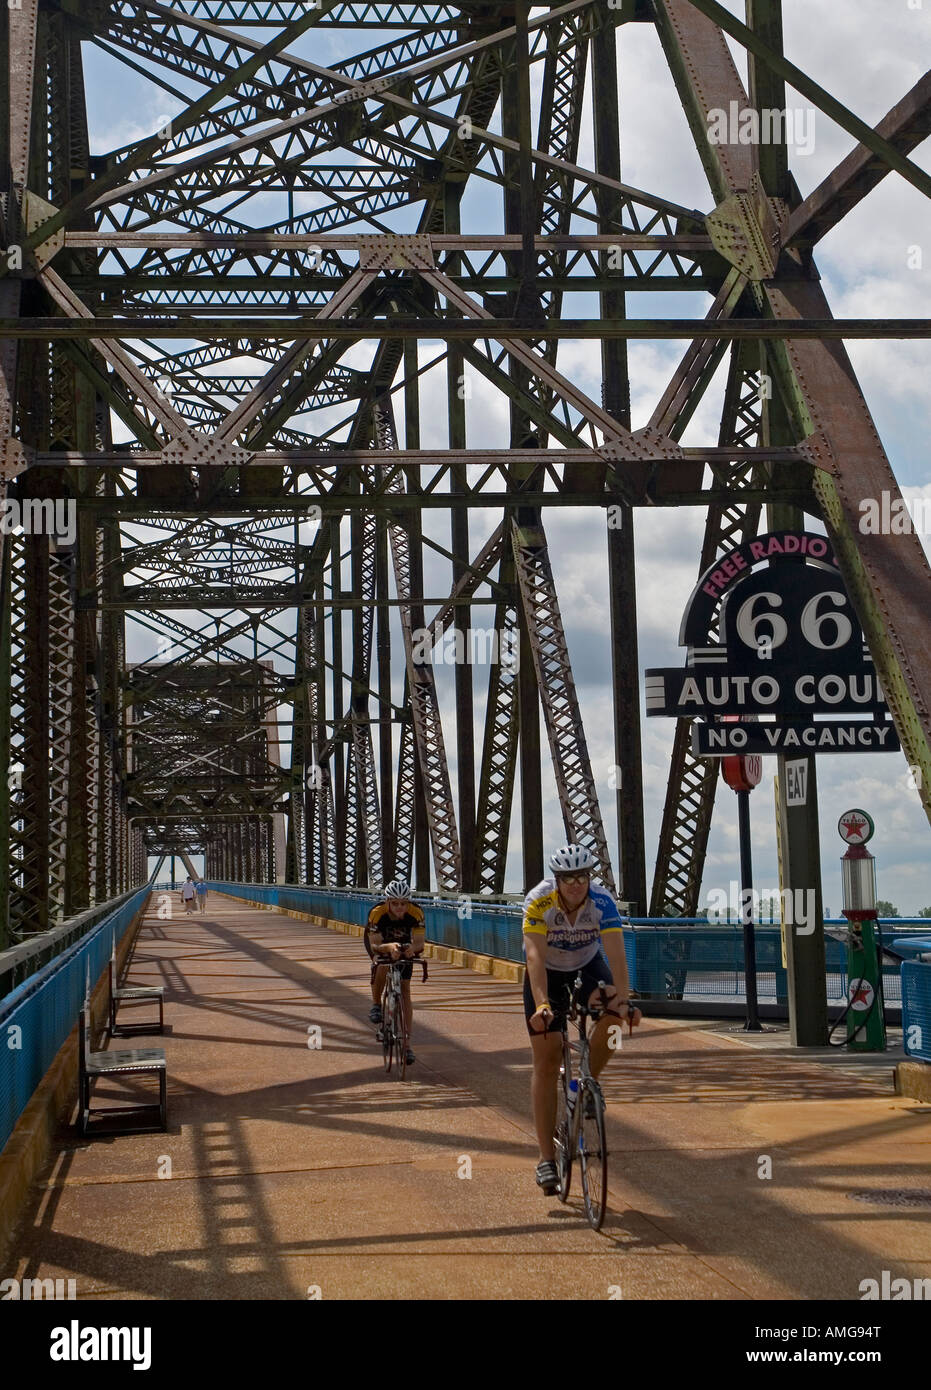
(187, 896)
(202, 895)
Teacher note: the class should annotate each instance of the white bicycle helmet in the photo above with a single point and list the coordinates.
(572, 859)
(397, 888)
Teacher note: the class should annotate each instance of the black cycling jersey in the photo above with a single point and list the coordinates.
(390, 928)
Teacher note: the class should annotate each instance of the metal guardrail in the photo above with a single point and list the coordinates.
(686, 959)
(916, 1009)
(19, 962)
(37, 1016)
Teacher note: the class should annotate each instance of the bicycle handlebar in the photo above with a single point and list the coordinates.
(588, 1012)
(403, 960)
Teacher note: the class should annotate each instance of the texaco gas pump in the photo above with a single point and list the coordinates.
(866, 1027)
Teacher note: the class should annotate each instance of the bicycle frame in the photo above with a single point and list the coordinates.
(580, 1018)
(394, 1033)
(571, 1137)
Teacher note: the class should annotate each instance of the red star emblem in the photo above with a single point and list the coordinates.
(855, 828)
(862, 996)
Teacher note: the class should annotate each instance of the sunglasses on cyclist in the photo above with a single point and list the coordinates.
(573, 878)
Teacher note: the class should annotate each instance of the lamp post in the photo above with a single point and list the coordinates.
(866, 1027)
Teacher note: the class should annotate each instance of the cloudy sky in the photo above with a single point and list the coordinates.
(876, 263)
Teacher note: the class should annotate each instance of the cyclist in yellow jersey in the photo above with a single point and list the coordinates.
(571, 926)
(395, 930)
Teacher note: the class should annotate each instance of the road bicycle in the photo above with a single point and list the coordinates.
(392, 1030)
(580, 1113)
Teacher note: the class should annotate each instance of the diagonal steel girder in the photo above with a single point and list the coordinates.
(217, 448)
(684, 391)
(575, 784)
(499, 747)
(872, 139)
(425, 711)
(358, 92)
(887, 576)
(693, 781)
(624, 444)
(905, 126)
(362, 795)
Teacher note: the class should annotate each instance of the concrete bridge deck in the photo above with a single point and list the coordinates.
(294, 1169)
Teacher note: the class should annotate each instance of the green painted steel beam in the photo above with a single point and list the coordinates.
(466, 330)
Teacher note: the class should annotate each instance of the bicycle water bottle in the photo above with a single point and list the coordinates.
(573, 1091)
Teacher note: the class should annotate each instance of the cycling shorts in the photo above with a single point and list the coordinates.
(559, 991)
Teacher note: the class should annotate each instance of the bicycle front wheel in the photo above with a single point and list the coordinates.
(593, 1153)
(562, 1136)
(388, 1031)
(400, 1046)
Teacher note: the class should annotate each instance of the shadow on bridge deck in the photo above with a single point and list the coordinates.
(289, 1167)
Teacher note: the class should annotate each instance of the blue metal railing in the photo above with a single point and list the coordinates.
(916, 1009)
(20, 962)
(37, 1016)
(682, 958)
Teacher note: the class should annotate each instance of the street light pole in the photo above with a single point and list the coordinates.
(742, 773)
(752, 1024)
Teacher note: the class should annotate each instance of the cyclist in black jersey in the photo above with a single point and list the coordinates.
(395, 930)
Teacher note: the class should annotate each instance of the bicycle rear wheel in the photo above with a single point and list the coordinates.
(593, 1153)
(562, 1137)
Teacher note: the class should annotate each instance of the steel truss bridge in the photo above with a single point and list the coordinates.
(221, 343)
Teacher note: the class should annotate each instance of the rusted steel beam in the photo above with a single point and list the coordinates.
(887, 576)
(511, 331)
(575, 785)
(905, 126)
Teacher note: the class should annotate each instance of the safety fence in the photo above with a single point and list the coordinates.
(916, 1009)
(676, 959)
(18, 963)
(37, 1016)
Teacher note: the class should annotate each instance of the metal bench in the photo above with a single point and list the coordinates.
(118, 996)
(141, 1061)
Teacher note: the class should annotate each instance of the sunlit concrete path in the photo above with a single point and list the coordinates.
(294, 1168)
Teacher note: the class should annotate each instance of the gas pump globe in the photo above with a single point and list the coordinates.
(858, 877)
(866, 1029)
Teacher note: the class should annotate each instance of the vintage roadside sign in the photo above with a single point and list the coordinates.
(771, 635)
(856, 827)
(827, 736)
(796, 783)
(742, 774)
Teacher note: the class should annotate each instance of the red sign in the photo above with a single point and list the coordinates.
(742, 773)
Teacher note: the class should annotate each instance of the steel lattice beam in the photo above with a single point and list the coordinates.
(246, 293)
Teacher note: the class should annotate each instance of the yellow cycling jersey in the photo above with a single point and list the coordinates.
(570, 945)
